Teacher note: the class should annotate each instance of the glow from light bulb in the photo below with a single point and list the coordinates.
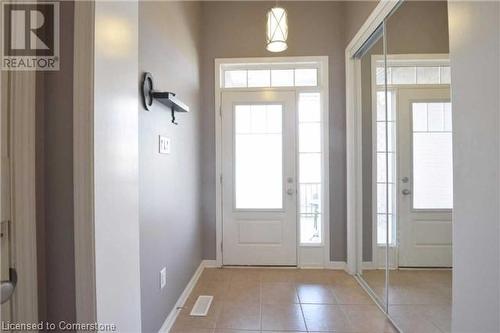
(277, 30)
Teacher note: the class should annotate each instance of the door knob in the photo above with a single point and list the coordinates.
(406, 191)
(289, 191)
(7, 287)
(405, 179)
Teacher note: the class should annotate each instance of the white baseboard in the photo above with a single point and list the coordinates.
(210, 264)
(172, 316)
(367, 265)
(341, 265)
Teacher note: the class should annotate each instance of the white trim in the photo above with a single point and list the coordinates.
(83, 165)
(320, 62)
(340, 265)
(174, 313)
(353, 133)
(368, 265)
(415, 59)
(210, 264)
(384, 8)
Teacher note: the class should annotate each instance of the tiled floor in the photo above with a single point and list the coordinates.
(250, 300)
(419, 300)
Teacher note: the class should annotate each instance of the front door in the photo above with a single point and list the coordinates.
(259, 178)
(425, 177)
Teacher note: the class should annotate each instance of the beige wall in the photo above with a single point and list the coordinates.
(356, 12)
(237, 29)
(169, 185)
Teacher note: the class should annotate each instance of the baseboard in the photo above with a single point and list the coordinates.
(368, 265)
(210, 264)
(341, 265)
(172, 316)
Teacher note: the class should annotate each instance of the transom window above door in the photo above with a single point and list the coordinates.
(267, 76)
(404, 70)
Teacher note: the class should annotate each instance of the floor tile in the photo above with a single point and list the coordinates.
(185, 321)
(278, 292)
(243, 316)
(209, 287)
(192, 330)
(234, 331)
(351, 295)
(314, 276)
(279, 275)
(265, 300)
(243, 292)
(411, 319)
(282, 317)
(321, 317)
(368, 318)
(316, 294)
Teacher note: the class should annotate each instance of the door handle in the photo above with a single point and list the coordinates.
(289, 186)
(8, 287)
(406, 191)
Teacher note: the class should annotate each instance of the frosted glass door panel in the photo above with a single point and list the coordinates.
(258, 156)
(432, 156)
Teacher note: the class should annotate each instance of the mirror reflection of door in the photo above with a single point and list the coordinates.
(425, 177)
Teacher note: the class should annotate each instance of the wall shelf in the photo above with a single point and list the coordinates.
(149, 95)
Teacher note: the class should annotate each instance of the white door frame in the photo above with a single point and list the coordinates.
(322, 61)
(354, 133)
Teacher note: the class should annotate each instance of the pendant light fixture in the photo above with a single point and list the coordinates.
(277, 29)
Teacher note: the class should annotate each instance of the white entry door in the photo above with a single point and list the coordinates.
(425, 177)
(259, 178)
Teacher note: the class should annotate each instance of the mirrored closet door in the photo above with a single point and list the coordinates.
(407, 182)
(376, 173)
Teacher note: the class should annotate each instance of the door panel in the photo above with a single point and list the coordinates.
(259, 190)
(425, 177)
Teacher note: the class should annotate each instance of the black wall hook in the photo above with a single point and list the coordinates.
(149, 95)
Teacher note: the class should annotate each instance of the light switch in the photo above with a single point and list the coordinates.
(163, 277)
(164, 145)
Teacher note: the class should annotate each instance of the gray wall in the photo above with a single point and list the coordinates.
(54, 182)
(116, 184)
(169, 185)
(356, 13)
(237, 29)
(416, 27)
(475, 72)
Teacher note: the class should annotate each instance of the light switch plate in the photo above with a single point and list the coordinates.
(164, 143)
(163, 277)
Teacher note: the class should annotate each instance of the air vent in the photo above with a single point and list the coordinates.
(201, 306)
